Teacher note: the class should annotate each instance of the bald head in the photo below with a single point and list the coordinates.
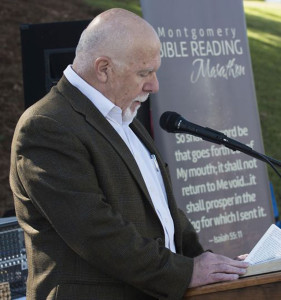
(115, 33)
(119, 54)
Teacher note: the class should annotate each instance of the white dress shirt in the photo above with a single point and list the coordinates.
(146, 161)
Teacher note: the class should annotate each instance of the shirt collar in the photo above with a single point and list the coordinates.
(104, 105)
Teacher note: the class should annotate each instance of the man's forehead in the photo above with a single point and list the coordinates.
(149, 65)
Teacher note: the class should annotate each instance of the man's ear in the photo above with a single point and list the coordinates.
(102, 66)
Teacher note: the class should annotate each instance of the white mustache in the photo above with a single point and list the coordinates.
(141, 98)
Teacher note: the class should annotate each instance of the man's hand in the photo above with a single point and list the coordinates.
(211, 268)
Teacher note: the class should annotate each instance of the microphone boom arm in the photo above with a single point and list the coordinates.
(173, 122)
(219, 138)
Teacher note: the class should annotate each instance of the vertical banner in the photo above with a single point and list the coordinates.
(206, 76)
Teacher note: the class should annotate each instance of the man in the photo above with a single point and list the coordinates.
(91, 191)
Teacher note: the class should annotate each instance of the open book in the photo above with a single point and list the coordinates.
(266, 255)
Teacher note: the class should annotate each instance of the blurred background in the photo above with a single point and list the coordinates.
(263, 20)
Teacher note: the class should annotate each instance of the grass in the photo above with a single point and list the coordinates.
(132, 5)
(264, 33)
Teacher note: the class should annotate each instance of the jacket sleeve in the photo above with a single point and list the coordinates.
(58, 177)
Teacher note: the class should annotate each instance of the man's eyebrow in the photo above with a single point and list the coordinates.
(146, 70)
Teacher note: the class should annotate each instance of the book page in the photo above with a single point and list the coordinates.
(267, 248)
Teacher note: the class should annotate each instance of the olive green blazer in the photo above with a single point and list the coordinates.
(91, 230)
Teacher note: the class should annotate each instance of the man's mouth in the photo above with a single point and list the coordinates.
(136, 103)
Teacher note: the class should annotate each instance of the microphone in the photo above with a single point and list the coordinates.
(175, 123)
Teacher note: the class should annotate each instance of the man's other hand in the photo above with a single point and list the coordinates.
(211, 268)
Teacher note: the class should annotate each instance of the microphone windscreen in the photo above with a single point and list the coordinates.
(168, 121)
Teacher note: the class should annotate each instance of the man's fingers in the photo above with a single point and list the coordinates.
(218, 277)
(232, 262)
(229, 269)
(210, 268)
(230, 266)
(236, 262)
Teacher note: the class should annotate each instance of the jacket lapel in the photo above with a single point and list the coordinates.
(82, 105)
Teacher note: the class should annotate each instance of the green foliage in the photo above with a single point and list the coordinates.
(264, 34)
(132, 5)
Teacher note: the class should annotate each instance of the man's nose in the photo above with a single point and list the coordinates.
(152, 86)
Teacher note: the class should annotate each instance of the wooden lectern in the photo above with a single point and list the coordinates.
(260, 287)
